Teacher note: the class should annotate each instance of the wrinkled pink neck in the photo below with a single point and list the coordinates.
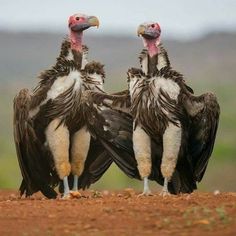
(152, 46)
(76, 41)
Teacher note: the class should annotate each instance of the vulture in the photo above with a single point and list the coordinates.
(43, 120)
(173, 130)
(61, 137)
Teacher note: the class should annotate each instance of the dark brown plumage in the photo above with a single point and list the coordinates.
(29, 130)
(198, 116)
(55, 119)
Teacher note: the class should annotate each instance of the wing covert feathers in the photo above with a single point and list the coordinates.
(35, 169)
(203, 131)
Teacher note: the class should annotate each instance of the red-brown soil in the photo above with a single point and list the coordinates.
(119, 213)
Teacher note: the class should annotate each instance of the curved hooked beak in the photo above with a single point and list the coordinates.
(141, 30)
(147, 32)
(90, 21)
(93, 21)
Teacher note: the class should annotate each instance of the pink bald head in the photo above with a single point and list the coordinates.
(77, 23)
(150, 33)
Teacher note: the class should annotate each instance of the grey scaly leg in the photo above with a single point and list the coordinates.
(75, 185)
(66, 188)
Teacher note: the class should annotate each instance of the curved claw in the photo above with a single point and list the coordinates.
(164, 193)
(145, 193)
(71, 195)
(66, 196)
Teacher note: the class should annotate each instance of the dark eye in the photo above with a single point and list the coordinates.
(77, 18)
(153, 25)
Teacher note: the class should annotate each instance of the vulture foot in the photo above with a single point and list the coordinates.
(146, 189)
(147, 193)
(164, 192)
(66, 196)
(72, 195)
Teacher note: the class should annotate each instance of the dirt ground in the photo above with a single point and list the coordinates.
(119, 213)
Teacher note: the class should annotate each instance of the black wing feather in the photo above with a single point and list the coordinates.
(96, 164)
(203, 133)
(114, 130)
(30, 151)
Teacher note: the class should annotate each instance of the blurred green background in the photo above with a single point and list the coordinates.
(208, 64)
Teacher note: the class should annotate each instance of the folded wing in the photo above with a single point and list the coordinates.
(32, 155)
(113, 129)
(204, 112)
